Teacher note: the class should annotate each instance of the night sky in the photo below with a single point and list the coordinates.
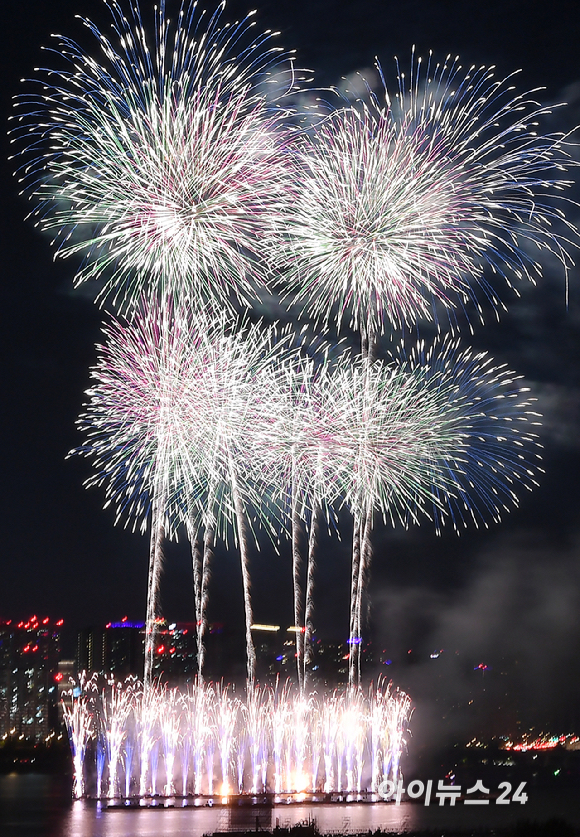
(504, 594)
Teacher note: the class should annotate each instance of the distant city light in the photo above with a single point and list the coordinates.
(126, 625)
(269, 628)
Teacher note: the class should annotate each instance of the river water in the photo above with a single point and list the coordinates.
(40, 806)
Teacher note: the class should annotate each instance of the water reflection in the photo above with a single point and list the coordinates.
(40, 806)
(85, 820)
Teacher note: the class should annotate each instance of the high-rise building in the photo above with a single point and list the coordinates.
(117, 649)
(29, 656)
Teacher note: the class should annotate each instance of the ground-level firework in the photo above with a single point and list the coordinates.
(214, 741)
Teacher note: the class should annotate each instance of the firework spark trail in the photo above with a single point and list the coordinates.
(226, 716)
(146, 723)
(241, 398)
(154, 578)
(78, 719)
(309, 600)
(280, 716)
(208, 546)
(159, 163)
(296, 533)
(169, 723)
(197, 567)
(404, 204)
(115, 708)
(302, 463)
(275, 738)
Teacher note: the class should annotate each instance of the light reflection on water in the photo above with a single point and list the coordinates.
(83, 822)
(40, 806)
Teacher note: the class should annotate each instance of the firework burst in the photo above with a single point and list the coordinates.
(486, 444)
(160, 165)
(410, 202)
(135, 424)
(444, 433)
(176, 422)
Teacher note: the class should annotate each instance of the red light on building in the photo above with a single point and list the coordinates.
(59, 623)
(26, 649)
(161, 649)
(35, 648)
(58, 677)
(45, 621)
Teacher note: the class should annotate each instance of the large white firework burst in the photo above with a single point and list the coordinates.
(176, 422)
(159, 164)
(416, 200)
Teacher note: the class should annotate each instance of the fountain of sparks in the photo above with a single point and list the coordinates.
(210, 742)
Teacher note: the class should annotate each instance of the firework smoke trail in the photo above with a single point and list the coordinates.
(404, 204)
(159, 162)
